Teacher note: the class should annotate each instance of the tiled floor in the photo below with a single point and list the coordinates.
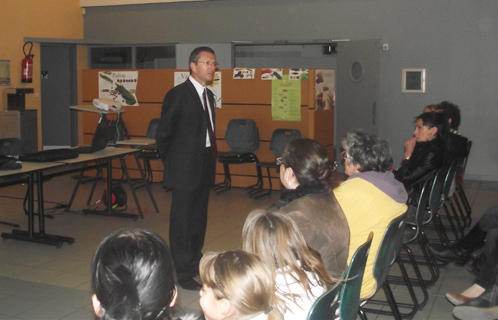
(42, 282)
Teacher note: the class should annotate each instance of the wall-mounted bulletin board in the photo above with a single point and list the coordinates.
(242, 98)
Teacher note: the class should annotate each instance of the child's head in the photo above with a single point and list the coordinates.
(277, 240)
(133, 276)
(236, 284)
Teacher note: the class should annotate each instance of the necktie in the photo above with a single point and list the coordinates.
(212, 138)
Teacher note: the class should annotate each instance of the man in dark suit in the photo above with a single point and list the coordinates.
(187, 145)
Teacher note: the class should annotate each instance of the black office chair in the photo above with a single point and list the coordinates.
(149, 152)
(11, 147)
(242, 137)
(279, 140)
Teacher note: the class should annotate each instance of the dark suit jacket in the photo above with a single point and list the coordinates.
(181, 137)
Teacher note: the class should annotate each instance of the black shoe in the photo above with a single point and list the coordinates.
(449, 254)
(190, 284)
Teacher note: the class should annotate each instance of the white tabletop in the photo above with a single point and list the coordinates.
(108, 152)
(136, 142)
(94, 109)
(28, 167)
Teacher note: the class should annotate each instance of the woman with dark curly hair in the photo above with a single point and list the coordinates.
(371, 197)
(308, 176)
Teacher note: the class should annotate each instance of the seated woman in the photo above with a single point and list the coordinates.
(308, 176)
(237, 285)
(133, 277)
(425, 151)
(299, 272)
(483, 233)
(370, 197)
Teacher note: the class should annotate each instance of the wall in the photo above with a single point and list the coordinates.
(40, 19)
(454, 40)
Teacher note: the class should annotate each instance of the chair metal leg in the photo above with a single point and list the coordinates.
(226, 184)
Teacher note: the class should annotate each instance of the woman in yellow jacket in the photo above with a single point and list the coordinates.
(371, 197)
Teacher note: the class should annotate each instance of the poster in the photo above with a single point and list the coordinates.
(243, 73)
(298, 74)
(215, 86)
(286, 100)
(120, 86)
(4, 72)
(324, 89)
(271, 74)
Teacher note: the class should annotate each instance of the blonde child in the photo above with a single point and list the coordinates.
(237, 285)
(299, 273)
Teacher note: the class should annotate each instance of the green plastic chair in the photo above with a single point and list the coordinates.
(388, 251)
(344, 295)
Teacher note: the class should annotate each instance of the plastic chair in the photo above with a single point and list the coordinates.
(279, 140)
(387, 253)
(326, 305)
(414, 231)
(149, 152)
(459, 189)
(11, 147)
(242, 137)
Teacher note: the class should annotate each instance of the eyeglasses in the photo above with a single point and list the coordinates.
(279, 161)
(210, 63)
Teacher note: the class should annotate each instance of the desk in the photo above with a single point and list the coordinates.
(144, 145)
(35, 172)
(102, 113)
(107, 154)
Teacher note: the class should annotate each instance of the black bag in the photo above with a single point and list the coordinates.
(50, 155)
(9, 163)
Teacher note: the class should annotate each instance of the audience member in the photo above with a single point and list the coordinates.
(456, 144)
(484, 233)
(425, 151)
(308, 176)
(237, 285)
(430, 108)
(133, 277)
(371, 197)
(299, 272)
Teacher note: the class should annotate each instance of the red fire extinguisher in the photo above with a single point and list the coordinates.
(27, 64)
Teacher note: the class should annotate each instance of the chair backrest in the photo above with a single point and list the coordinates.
(351, 288)
(280, 138)
(388, 251)
(435, 201)
(151, 129)
(449, 180)
(11, 147)
(422, 204)
(326, 305)
(242, 136)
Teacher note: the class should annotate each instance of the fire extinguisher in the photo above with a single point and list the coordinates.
(27, 64)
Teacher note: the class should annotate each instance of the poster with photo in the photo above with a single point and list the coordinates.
(215, 86)
(324, 89)
(298, 74)
(243, 73)
(271, 74)
(119, 86)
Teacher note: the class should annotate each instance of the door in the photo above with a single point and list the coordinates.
(357, 89)
(58, 92)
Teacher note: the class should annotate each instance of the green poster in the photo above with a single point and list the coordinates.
(286, 100)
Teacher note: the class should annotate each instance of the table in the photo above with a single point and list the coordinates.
(107, 154)
(34, 170)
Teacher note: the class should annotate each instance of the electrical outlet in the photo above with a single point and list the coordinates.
(385, 46)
